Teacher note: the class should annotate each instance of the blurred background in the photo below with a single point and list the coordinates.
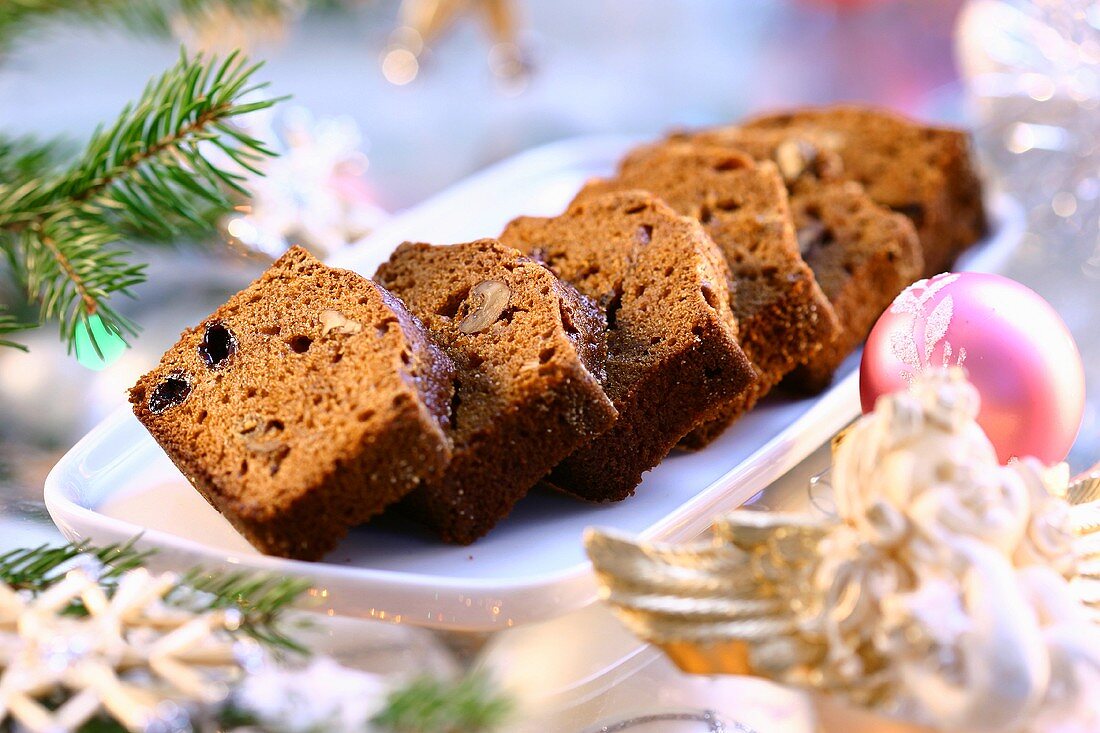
(393, 102)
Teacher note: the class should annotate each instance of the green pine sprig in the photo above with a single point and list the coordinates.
(9, 324)
(36, 569)
(169, 161)
(470, 705)
(261, 600)
(25, 157)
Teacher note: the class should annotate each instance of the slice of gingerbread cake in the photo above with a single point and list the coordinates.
(673, 357)
(302, 407)
(926, 172)
(862, 254)
(529, 351)
(783, 316)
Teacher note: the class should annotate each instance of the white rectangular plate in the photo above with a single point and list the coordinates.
(116, 483)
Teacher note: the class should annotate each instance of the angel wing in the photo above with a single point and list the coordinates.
(1085, 516)
(709, 604)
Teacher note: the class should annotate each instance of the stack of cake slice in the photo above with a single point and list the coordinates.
(673, 354)
(783, 315)
(580, 349)
(862, 254)
(925, 172)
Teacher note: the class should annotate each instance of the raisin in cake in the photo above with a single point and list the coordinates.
(925, 172)
(862, 254)
(673, 356)
(782, 314)
(529, 352)
(302, 407)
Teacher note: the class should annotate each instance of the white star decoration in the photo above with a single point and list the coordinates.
(132, 656)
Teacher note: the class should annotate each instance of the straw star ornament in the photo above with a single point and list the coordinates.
(132, 656)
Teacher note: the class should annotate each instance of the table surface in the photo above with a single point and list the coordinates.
(633, 66)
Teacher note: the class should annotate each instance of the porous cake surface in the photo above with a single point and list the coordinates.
(923, 171)
(783, 316)
(673, 357)
(529, 351)
(861, 254)
(303, 406)
(798, 154)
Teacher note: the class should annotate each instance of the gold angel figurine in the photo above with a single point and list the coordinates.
(949, 591)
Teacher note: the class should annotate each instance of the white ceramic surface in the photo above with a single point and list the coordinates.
(116, 483)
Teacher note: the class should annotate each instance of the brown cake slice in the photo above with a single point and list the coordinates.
(302, 407)
(862, 254)
(673, 357)
(923, 171)
(782, 314)
(529, 351)
(801, 153)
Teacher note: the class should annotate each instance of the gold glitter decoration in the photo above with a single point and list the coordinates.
(947, 591)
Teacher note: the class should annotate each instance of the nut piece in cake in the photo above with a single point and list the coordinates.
(925, 172)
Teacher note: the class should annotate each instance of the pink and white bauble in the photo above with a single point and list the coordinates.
(1015, 348)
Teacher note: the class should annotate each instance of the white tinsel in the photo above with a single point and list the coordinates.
(321, 696)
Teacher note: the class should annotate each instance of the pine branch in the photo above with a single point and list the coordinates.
(9, 324)
(261, 599)
(24, 157)
(149, 174)
(36, 569)
(152, 162)
(470, 705)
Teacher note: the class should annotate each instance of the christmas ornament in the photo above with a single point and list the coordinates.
(111, 345)
(1015, 348)
(314, 194)
(88, 646)
(950, 591)
(425, 21)
(128, 657)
